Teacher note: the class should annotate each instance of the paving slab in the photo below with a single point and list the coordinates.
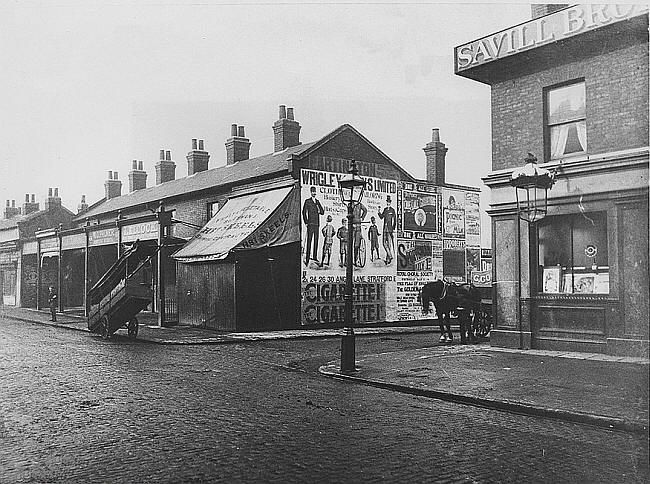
(608, 391)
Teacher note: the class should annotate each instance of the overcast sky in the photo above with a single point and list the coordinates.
(86, 87)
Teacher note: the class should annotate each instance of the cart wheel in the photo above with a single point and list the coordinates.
(361, 257)
(104, 328)
(133, 328)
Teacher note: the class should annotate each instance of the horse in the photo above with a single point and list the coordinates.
(462, 299)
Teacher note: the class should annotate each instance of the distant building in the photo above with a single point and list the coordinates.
(246, 246)
(571, 87)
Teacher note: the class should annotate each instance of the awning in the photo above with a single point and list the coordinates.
(247, 222)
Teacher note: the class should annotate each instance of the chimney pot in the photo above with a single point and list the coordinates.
(162, 154)
(56, 192)
(435, 135)
(194, 143)
(49, 190)
(83, 198)
(240, 132)
(110, 175)
(201, 144)
(114, 175)
(168, 155)
(27, 197)
(290, 113)
(134, 164)
(33, 198)
(233, 130)
(286, 130)
(283, 111)
(7, 203)
(13, 204)
(140, 165)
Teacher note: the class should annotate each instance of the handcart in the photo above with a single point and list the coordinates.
(118, 296)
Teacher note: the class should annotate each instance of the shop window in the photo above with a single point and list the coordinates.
(566, 128)
(573, 254)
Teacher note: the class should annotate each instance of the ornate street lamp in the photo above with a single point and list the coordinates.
(351, 191)
(532, 184)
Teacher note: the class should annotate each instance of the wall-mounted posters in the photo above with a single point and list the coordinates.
(324, 249)
(419, 248)
(472, 219)
(453, 212)
(419, 212)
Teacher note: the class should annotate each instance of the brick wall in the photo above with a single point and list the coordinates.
(617, 106)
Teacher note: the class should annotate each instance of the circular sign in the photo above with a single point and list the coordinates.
(591, 251)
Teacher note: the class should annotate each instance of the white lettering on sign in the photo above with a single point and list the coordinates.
(557, 26)
(142, 231)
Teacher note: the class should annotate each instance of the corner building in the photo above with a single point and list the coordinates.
(571, 87)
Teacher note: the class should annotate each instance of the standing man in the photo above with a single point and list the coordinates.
(52, 299)
(311, 212)
(359, 214)
(328, 233)
(390, 221)
(342, 235)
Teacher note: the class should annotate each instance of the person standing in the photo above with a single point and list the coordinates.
(359, 213)
(52, 299)
(311, 212)
(390, 221)
(342, 235)
(328, 233)
(373, 236)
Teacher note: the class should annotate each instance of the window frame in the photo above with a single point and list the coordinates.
(546, 115)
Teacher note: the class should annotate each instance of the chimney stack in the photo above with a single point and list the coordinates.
(237, 146)
(197, 159)
(30, 207)
(11, 210)
(53, 201)
(83, 206)
(165, 168)
(112, 186)
(286, 130)
(137, 177)
(435, 153)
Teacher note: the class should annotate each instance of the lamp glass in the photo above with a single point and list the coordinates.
(351, 188)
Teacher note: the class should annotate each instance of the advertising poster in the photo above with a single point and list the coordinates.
(453, 260)
(472, 219)
(324, 231)
(420, 211)
(473, 261)
(453, 203)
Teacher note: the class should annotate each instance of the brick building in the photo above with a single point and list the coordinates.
(20, 252)
(234, 247)
(571, 87)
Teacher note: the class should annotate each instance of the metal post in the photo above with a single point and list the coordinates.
(39, 278)
(347, 341)
(59, 278)
(160, 272)
(86, 259)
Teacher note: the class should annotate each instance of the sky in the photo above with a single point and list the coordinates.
(88, 86)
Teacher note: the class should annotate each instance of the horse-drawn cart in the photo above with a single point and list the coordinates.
(119, 296)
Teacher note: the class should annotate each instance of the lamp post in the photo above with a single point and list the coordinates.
(532, 184)
(351, 191)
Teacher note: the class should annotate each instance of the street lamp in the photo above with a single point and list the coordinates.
(532, 184)
(351, 191)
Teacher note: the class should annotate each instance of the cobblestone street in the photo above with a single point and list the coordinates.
(74, 408)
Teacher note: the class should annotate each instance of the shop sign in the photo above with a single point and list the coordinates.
(142, 231)
(481, 278)
(560, 25)
(9, 234)
(9, 257)
(30, 247)
(50, 245)
(103, 237)
(73, 241)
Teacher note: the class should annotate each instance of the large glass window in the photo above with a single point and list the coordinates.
(573, 254)
(565, 120)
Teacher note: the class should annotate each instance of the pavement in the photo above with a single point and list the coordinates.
(589, 388)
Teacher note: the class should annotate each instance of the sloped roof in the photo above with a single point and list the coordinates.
(14, 221)
(222, 175)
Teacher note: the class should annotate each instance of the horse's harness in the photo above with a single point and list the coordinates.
(445, 285)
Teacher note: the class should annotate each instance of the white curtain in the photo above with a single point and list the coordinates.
(581, 126)
(559, 135)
